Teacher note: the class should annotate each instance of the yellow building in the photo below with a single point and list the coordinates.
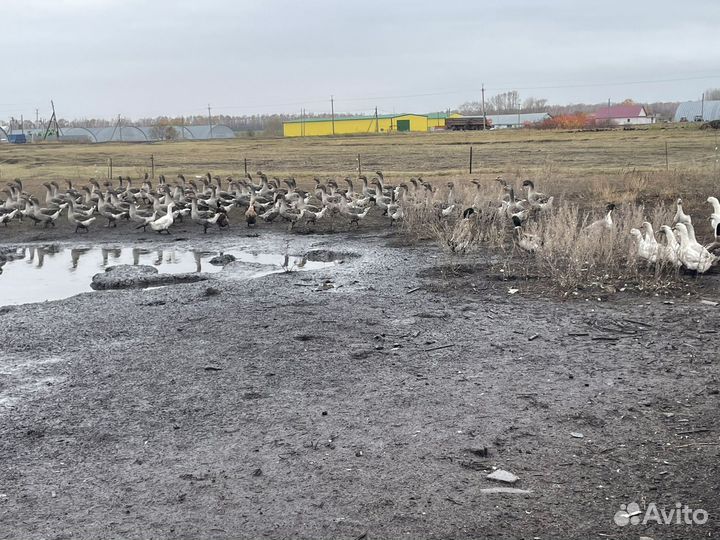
(389, 123)
(437, 120)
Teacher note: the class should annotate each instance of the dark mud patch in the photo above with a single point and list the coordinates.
(140, 277)
(453, 271)
(327, 255)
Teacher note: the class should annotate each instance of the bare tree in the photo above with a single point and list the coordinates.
(712, 94)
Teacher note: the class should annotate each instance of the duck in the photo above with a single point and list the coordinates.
(533, 196)
(106, 211)
(7, 217)
(691, 235)
(145, 221)
(447, 212)
(529, 243)
(669, 251)
(692, 258)
(715, 216)
(79, 223)
(680, 215)
(79, 211)
(251, 214)
(308, 216)
(165, 222)
(205, 218)
(644, 250)
(357, 217)
(207, 222)
(464, 233)
(397, 215)
(650, 241)
(47, 216)
(144, 217)
(605, 224)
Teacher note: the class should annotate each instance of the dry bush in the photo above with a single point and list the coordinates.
(454, 233)
(573, 258)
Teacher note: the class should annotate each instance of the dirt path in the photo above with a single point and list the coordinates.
(355, 401)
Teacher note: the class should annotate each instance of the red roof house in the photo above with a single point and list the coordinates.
(627, 113)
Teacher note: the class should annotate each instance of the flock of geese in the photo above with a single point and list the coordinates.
(678, 246)
(207, 200)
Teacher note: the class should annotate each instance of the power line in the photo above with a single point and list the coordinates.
(498, 88)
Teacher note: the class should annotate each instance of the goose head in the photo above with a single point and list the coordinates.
(636, 234)
(648, 228)
(610, 207)
(682, 233)
(528, 184)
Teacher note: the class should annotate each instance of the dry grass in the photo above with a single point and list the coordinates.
(563, 157)
(571, 258)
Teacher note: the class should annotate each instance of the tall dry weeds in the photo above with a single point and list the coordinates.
(570, 258)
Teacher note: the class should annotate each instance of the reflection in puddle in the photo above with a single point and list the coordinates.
(39, 273)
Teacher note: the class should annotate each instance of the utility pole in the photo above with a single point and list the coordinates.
(210, 121)
(702, 107)
(37, 117)
(377, 126)
(52, 122)
(22, 124)
(482, 89)
(332, 113)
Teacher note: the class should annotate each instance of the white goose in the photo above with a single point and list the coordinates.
(715, 217)
(680, 215)
(669, 251)
(644, 250)
(650, 241)
(690, 256)
(165, 222)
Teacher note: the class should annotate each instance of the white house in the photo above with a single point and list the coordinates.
(623, 115)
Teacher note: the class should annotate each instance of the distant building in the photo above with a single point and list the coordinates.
(697, 111)
(386, 123)
(437, 120)
(505, 121)
(623, 115)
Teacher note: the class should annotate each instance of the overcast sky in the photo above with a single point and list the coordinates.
(100, 58)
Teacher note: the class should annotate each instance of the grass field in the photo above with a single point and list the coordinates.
(553, 155)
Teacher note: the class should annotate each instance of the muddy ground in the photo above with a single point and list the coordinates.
(370, 399)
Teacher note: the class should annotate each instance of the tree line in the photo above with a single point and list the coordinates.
(511, 103)
(271, 124)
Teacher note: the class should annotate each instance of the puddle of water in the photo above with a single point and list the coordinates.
(40, 273)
